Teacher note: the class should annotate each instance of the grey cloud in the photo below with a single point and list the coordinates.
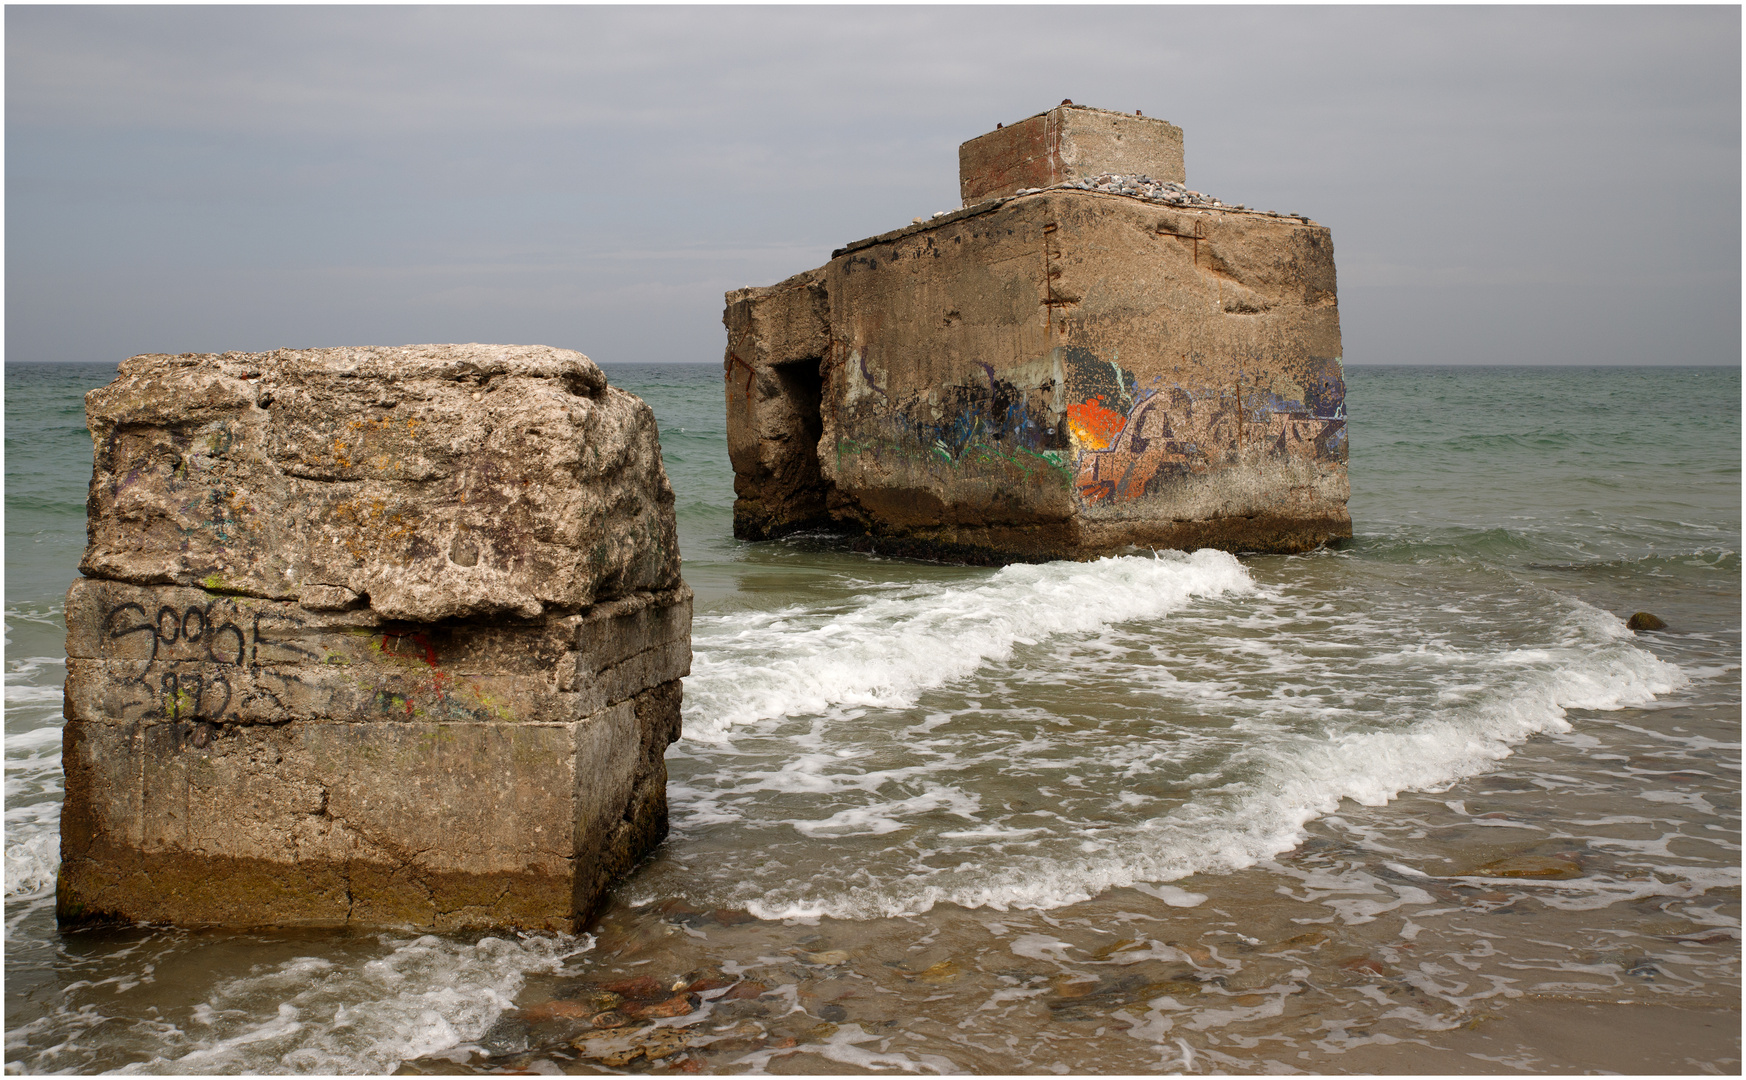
(1504, 184)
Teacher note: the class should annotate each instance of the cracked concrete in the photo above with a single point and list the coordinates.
(383, 736)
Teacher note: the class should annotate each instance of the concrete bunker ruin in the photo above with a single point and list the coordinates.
(379, 636)
(1084, 357)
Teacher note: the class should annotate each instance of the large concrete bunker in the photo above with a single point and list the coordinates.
(1086, 356)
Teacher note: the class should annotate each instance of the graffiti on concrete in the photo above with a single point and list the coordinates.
(1134, 441)
(196, 646)
(204, 661)
(1089, 422)
(1004, 422)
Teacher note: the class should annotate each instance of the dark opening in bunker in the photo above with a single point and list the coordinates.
(803, 385)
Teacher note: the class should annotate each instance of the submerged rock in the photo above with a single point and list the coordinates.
(746, 989)
(1533, 866)
(826, 958)
(677, 1005)
(619, 1048)
(1642, 620)
(556, 1010)
(943, 972)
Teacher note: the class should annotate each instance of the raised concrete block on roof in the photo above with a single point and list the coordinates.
(1070, 142)
(388, 636)
(1066, 373)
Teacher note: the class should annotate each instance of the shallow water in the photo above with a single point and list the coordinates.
(1181, 811)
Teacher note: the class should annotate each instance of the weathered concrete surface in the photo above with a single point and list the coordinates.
(1059, 374)
(437, 481)
(774, 422)
(1067, 143)
(303, 727)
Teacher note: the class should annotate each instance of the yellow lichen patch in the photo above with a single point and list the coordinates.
(372, 517)
(489, 703)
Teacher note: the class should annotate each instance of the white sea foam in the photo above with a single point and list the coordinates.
(33, 810)
(48, 615)
(885, 649)
(24, 694)
(315, 1015)
(33, 856)
(25, 667)
(1173, 896)
(1471, 706)
(36, 739)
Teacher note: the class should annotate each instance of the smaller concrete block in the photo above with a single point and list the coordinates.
(1068, 143)
(385, 636)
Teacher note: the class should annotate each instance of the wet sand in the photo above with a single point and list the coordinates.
(827, 999)
(1546, 1036)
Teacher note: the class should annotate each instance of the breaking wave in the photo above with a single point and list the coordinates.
(884, 650)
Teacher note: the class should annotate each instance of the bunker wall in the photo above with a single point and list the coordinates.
(381, 636)
(1069, 373)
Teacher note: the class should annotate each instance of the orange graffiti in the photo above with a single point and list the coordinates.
(1166, 435)
(1095, 425)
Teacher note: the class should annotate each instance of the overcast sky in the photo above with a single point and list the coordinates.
(1504, 185)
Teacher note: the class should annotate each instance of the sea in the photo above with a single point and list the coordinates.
(1161, 811)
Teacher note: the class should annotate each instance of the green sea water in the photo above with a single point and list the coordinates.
(1163, 811)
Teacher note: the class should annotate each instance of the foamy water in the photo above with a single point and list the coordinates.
(1175, 811)
(1231, 717)
(382, 1003)
(33, 767)
(884, 648)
